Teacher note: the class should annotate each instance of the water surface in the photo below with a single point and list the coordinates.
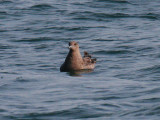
(122, 34)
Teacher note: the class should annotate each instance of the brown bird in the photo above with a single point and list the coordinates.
(74, 60)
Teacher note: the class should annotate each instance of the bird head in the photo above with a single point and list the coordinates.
(73, 45)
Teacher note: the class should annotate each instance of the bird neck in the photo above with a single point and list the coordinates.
(75, 55)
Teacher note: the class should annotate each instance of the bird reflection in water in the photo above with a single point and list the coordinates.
(79, 73)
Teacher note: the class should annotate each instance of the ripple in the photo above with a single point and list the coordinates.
(7, 72)
(113, 52)
(39, 39)
(149, 100)
(110, 105)
(41, 7)
(2, 110)
(5, 47)
(109, 40)
(3, 13)
(145, 49)
(114, 15)
(154, 90)
(87, 15)
(121, 35)
(150, 16)
(77, 112)
(114, 1)
(154, 111)
(41, 46)
(70, 28)
(4, 87)
(151, 69)
(101, 16)
(137, 112)
(107, 98)
(21, 79)
(5, 2)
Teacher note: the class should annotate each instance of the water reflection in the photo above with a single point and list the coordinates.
(79, 73)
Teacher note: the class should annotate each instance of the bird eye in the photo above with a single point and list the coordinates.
(75, 43)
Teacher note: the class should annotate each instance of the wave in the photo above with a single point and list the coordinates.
(72, 113)
(149, 16)
(39, 39)
(72, 28)
(145, 110)
(113, 52)
(103, 40)
(114, 1)
(152, 69)
(5, 47)
(3, 13)
(154, 111)
(41, 6)
(5, 2)
(87, 15)
(96, 16)
(149, 100)
(145, 49)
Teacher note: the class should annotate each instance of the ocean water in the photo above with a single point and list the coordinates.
(124, 36)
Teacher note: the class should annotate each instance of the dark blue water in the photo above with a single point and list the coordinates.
(124, 36)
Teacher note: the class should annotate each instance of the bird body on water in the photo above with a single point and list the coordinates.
(74, 60)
